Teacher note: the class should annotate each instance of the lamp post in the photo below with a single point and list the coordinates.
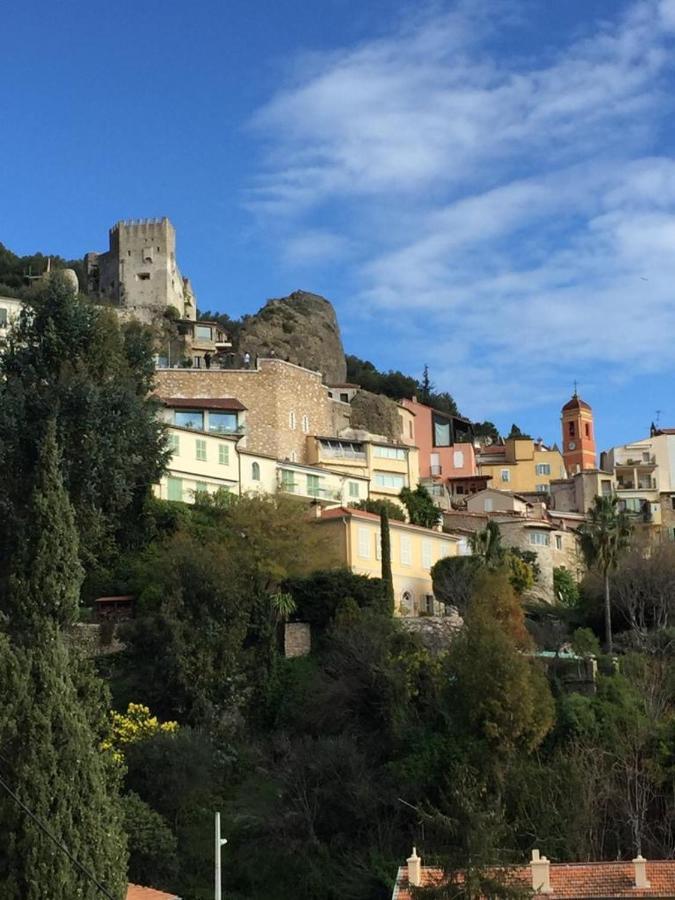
(219, 843)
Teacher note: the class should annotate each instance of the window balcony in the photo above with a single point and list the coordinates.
(436, 471)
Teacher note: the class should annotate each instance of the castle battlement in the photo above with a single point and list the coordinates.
(140, 225)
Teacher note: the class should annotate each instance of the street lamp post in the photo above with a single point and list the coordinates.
(219, 844)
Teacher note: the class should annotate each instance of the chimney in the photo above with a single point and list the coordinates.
(640, 867)
(414, 869)
(541, 879)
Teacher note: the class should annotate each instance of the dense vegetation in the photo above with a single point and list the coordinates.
(16, 272)
(328, 767)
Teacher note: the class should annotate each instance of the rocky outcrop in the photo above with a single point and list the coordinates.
(301, 328)
(435, 632)
(377, 414)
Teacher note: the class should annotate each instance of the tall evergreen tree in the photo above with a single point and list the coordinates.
(70, 360)
(385, 546)
(52, 719)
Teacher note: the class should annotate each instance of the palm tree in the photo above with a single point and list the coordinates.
(604, 537)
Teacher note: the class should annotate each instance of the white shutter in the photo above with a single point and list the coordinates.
(364, 542)
(427, 554)
(405, 550)
(458, 459)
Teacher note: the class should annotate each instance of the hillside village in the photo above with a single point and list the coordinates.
(355, 621)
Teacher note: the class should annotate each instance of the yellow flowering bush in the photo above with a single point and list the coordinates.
(133, 726)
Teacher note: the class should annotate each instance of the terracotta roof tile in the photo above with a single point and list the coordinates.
(227, 403)
(136, 892)
(573, 881)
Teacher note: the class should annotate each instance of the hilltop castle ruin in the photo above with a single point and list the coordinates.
(138, 274)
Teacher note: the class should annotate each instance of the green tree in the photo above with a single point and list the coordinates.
(487, 544)
(565, 587)
(321, 595)
(385, 546)
(517, 434)
(420, 505)
(152, 844)
(69, 360)
(426, 386)
(604, 537)
(52, 717)
(394, 511)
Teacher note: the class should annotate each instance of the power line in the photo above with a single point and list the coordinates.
(53, 838)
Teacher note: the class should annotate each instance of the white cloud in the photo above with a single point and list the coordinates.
(511, 211)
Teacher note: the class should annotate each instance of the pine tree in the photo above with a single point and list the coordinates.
(52, 716)
(385, 546)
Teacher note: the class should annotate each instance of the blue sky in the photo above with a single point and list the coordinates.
(484, 186)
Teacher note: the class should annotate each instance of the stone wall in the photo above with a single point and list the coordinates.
(297, 639)
(88, 639)
(435, 632)
(284, 403)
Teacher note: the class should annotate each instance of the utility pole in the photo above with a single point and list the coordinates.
(219, 844)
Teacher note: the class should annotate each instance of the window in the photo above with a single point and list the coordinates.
(542, 488)
(671, 533)
(378, 545)
(203, 332)
(143, 276)
(558, 542)
(174, 444)
(201, 487)
(287, 481)
(672, 501)
(571, 431)
(223, 422)
(175, 488)
(543, 469)
(389, 480)
(606, 488)
(427, 554)
(406, 553)
(354, 489)
(344, 398)
(389, 452)
(189, 418)
(305, 424)
(291, 420)
(410, 430)
(223, 455)
(458, 459)
(147, 254)
(429, 603)
(506, 475)
(294, 456)
(364, 542)
(3, 317)
(587, 429)
(407, 603)
(540, 538)
(313, 485)
(200, 447)
(442, 435)
(255, 471)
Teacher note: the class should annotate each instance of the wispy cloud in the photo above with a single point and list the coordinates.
(512, 213)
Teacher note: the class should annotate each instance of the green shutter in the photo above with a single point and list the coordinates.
(175, 488)
(201, 449)
(224, 455)
(353, 489)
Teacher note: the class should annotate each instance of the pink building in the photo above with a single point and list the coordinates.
(446, 453)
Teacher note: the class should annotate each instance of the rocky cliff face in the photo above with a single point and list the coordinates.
(377, 414)
(301, 328)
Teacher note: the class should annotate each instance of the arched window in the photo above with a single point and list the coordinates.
(255, 471)
(406, 603)
(305, 424)
(291, 420)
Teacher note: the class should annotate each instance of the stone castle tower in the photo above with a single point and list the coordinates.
(578, 435)
(138, 273)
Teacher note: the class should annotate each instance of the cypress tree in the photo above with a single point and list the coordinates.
(385, 546)
(52, 718)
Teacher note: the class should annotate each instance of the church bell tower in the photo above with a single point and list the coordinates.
(578, 435)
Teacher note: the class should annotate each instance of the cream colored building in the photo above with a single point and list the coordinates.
(386, 466)
(356, 538)
(521, 466)
(10, 308)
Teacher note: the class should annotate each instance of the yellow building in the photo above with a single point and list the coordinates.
(521, 466)
(387, 467)
(355, 535)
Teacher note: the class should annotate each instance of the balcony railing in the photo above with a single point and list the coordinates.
(436, 470)
(342, 453)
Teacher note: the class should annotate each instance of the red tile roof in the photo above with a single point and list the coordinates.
(136, 892)
(576, 403)
(572, 881)
(227, 403)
